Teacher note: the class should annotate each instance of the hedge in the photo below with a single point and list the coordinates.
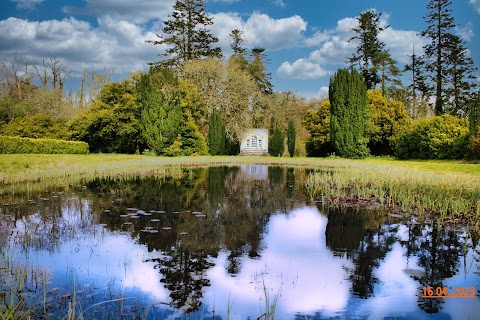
(47, 146)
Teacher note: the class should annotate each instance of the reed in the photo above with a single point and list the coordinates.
(449, 195)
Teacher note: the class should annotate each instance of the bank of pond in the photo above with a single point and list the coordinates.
(237, 242)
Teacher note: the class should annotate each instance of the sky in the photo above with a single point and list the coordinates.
(306, 41)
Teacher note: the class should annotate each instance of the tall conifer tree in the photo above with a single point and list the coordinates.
(369, 47)
(446, 59)
(348, 114)
(187, 35)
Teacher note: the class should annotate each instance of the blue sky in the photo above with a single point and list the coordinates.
(305, 40)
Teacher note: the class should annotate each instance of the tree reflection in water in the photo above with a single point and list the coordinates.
(189, 217)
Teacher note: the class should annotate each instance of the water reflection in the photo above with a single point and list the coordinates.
(228, 242)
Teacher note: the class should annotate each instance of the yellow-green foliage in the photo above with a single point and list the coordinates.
(439, 137)
(47, 146)
(386, 118)
(317, 122)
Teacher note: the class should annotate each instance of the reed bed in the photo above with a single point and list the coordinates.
(449, 196)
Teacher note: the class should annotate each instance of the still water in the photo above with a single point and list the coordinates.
(225, 243)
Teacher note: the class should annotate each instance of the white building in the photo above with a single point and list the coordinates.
(255, 143)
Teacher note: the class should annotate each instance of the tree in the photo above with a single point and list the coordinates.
(276, 145)
(216, 134)
(418, 90)
(474, 114)
(386, 118)
(461, 78)
(348, 114)
(168, 123)
(239, 51)
(445, 57)
(258, 70)
(228, 88)
(389, 72)
(187, 37)
(237, 43)
(317, 122)
(291, 133)
(112, 123)
(369, 47)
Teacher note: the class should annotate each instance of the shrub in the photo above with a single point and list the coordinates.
(47, 146)
(37, 126)
(440, 137)
(474, 148)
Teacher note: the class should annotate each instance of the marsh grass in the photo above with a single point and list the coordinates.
(448, 196)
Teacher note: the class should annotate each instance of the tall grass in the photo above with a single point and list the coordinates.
(448, 195)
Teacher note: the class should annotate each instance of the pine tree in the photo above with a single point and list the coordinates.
(348, 114)
(239, 51)
(445, 55)
(187, 35)
(369, 47)
(258, 70)
(419, 85)
(237, 43)
(291, 136)
(461, 78)
(389, 72)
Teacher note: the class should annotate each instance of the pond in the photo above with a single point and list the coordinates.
(225, 243)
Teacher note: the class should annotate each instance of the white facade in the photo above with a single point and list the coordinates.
(255, 141)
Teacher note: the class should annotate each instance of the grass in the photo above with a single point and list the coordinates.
(420, 189)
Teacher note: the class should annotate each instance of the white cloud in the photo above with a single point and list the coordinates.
(279, 3)
(26, 4)
(113, 43)
(135, 11)
(476, 4)
(335, 48)
(260, 30)
(400, 43)
(301, 69)
(466, 33)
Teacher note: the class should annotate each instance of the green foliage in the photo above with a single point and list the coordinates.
(474, 148)
(317, 122)
(186, 35)
(348, 114)
(259, 71)
(291, 137)
(474, 114)
(386, 118)
(38, 126)
(216, 134)
(276, 143)
(449, 68)
(369, 47)
(112, 123)
(47, 146)
(167, 116)
(439, 137)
